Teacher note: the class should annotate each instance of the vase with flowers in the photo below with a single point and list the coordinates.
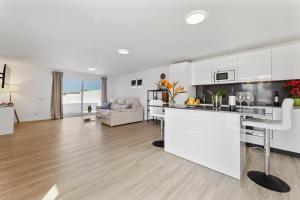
(293, 87)
(172, 88)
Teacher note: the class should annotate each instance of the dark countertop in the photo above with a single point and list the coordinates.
(255, 112)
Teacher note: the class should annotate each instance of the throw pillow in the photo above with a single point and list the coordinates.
(106, 106)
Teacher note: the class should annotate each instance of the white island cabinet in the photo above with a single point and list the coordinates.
(211, 139)
(6, 120)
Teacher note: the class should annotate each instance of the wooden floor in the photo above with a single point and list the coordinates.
(93, 161)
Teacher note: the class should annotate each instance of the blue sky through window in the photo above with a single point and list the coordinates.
(74, 85)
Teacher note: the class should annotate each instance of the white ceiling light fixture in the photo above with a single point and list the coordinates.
(195, 17)
(123, 51)
(92, 69)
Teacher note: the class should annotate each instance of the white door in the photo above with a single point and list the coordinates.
(255, 66)
(286, 62)
(201, 73)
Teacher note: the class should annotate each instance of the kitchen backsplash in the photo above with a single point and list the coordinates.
(263, 91)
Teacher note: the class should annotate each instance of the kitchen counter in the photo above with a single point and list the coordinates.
(244, 111)
(211, 138)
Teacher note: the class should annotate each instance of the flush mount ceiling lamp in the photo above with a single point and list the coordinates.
(123, 51)
(195, 17)
(92, 69)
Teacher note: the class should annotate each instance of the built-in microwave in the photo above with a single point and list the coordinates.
(225, 76)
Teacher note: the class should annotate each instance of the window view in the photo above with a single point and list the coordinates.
(91, 95)
(80, 96)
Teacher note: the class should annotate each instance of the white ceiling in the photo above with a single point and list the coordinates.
(78, 34)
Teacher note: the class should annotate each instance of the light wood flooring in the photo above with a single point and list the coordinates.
(93, 161)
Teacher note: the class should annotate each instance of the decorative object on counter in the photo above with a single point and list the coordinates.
(165, 96)
(192, 102)
(217, 98)
(89, 108)
(172, 89)
(232, 101)
(276, 99)
(293, 86)
(249, 98)
(240, 97)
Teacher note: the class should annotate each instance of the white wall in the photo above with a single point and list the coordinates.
(33, 99)
(119, 86)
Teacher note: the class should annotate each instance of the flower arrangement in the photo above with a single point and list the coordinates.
(293, 87)
(172, 88)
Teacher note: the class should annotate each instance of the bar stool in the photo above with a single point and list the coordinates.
(265, 179)
(159, 113)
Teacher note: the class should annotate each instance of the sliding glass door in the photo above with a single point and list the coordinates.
(80, 96)
(91, 95)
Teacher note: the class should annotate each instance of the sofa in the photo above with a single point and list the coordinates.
(120, 111)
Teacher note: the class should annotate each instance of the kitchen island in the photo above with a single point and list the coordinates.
(211, 138)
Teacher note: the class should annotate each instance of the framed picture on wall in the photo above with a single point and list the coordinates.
(139, 82)
(133, 83)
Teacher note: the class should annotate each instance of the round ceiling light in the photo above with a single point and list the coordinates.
(195, 17)
(123, 51)
(92, 69)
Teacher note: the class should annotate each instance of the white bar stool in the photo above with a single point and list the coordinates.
(159, 113)
(265, 179)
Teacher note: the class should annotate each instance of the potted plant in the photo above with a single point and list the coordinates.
(172, 88)
(89, 108)
(293, 87)
(217, 98)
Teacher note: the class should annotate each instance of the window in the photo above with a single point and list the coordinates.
(91, 94)
(79, 94)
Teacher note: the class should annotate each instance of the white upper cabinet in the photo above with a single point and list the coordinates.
(201, 73)
(224, 63)
(286, 62)
(255, 66)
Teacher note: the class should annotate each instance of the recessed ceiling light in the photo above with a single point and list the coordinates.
(92, 69)
(123, 51)
(195, 17)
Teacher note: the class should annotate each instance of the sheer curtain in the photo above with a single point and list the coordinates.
(56, 98)
(104, 90)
